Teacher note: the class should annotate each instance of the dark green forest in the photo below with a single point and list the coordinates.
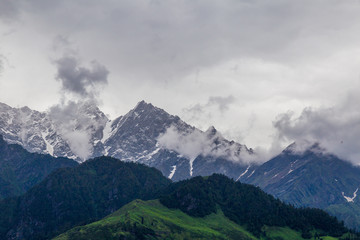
(20, 170)
(71, 197)
(246, 205)
(76, 196)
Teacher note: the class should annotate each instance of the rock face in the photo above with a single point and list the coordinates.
(132, 137)
(311, 178)
(43, 132)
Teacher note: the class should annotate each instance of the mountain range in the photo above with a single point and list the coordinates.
(149, 135)
(132, 137)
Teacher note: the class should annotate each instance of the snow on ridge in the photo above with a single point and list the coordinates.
(275, 175)
(191, 165)
(172, 172)
(350, 199)
(251, 174)
(247, 169)
(153, 153)
(107, 131)
(290, 171)
(49, 147)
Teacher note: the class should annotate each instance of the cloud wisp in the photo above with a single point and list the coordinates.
(215, 104)
(208, 144)
(80, 80)
(76, 79)
(77, 117)
(76, 122)
(337, 129)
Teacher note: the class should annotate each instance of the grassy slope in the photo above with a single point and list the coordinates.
(167, 223)
(170, 224)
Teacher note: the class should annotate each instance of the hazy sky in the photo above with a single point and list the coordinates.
(256, 70)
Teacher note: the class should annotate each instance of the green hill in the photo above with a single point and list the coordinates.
(247, 206)
(152, 220)
(74, 196)
(212, 207)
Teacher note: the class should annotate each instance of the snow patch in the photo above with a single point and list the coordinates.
(191, 160)
(106, 132)
(172, 172)
(153, 153)
(49, 147)
(350, 199)
(10, 120)
(251, 174)
(290, 171)
(290, 180)
(247, 169)
(275, 175)
(150, 155)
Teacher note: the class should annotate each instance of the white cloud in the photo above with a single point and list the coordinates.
(78, 141)
(74, 123)
(271, 56)
(208, 144)
(337, 129)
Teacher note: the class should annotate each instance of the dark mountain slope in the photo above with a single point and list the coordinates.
(311, 178)
(69, 197)
(245, 205)
(20, 170)
(207, 205)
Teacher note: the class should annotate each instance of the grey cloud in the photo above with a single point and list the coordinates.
(214, 103)
(222, 102)
(337, 129)
(195, 143)
(80, 80)
(72, 118)
(74, 123)
(63, 44)
(8, 10)
(164, 40)
(146, 42)
(1, 63)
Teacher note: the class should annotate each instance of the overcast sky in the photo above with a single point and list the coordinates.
(258, 71)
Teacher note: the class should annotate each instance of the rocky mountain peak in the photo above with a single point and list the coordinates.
(26, 109)
(304, 147)
(143, 106)
(144, 109)
(211, 131)
(81, 131)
